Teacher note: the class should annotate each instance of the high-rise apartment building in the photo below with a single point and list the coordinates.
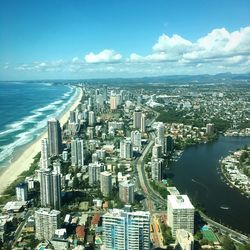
(54, 137)
(126, 230)
(210, 129)
(143, 123)
(46, 222)
(77, 152)
(94, 170)
(126, 151)
(180, 213)
(157, 168)
(136, 140)
(126, 191)
(44, 160)
(91, 118)
(22, 191)
(137, 119)
(106, 183)
(50, 188)
(113, 102)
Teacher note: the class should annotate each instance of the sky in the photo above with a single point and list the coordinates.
(78, 39)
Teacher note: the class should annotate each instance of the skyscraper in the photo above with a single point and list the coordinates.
(46, 221)
(180, 213)
(137, 119)
(126, 151)
(44, 161)
(126, 191)
(113, 102)
(91, 118)
(77, 152)
(106, 183)
(50, 188)
(126, 230)
(157, 168)
(54, 137)
(22, 191)
(94, 170)
(136, 140)
(143, 123)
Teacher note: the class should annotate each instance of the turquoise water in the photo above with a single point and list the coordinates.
(24, 111)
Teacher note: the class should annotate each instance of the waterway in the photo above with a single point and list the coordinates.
(196, 174)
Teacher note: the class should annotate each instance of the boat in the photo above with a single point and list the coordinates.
(225, 208)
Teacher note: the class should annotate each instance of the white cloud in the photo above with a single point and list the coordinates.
(217, 51)
(105, 56)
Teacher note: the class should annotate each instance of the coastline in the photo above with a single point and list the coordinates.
(24, 159)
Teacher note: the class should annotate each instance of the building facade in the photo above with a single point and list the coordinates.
(180, 213)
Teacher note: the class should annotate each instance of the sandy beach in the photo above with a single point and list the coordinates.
(23, 162)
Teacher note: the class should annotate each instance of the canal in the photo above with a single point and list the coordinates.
(196, 174)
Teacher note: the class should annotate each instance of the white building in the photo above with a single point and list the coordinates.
(180, 213)
(22, 191)
(50, 188)
(126, 191)
(94, 170)
(126, 230)
(184, 240)
(157, 168)
(44, 161)
(210, 129)
(77, 152)
(106, 183)
(46, 221)
(143, 123)
(157, 151)
(126, 151)
(91, 118)
(136, 140)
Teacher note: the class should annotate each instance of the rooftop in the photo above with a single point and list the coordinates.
(180, 202)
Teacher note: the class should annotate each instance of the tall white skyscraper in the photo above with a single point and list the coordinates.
(126, 191)
(50, 188)
(156, 151)
(143, 123)
(157, 168)
(180, 213)
(126, 230)
(106, 183)
(94, 170)
(136, 140)
(44, 161)
(126, 151)
(77, 152)
(91, 118)
(46, 221)
(54, 137)
(160, 131)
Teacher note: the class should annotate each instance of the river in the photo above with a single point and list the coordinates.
(196, 174)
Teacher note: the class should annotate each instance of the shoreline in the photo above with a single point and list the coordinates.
(24, 159)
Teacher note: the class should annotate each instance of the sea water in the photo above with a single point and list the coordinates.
(25, 108)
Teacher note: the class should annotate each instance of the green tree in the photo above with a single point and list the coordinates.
(228, 244)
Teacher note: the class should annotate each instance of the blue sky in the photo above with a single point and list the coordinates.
(93, 39)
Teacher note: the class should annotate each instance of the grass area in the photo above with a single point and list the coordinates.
(209, 235)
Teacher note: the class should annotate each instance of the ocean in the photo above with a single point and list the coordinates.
(24, 110)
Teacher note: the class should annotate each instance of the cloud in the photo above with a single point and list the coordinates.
(217, 51)
(105, 56)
